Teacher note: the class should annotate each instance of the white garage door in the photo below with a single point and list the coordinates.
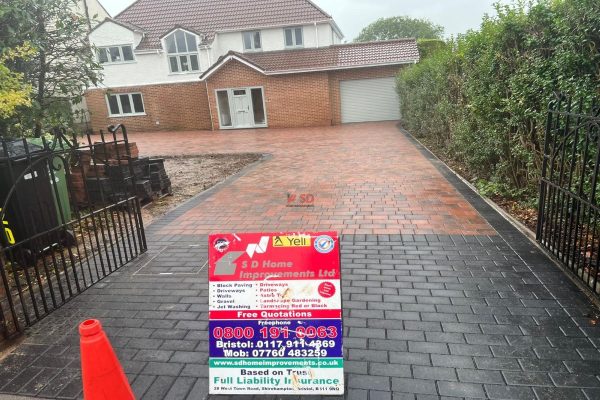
(369, 100)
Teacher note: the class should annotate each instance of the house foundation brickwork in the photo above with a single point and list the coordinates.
(292, 100)
(168, 107)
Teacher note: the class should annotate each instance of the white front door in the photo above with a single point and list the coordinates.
(241, 108)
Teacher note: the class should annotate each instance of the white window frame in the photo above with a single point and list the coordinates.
(189, 61)
(253, 49)
(121, 114)
(120, 46)
(230, 100)
(185, 54)
(293, 29)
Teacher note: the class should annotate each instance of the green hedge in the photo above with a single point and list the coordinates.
(482, 99)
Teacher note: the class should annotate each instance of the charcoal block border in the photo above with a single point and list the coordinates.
(529, 251)
(188, 205)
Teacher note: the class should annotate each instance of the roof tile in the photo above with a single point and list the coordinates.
(158, 17)
(339, 56)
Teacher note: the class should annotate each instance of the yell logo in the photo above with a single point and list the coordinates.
(291, 241)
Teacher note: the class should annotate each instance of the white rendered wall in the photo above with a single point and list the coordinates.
(273, 39)
(111, 34)
(148, 67)
(96, 11)
(325, 35)
(153, 67)
(225, 42)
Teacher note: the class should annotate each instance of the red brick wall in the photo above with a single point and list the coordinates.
(295, 100)
(176, 106)
(291, 100)
(349, 74)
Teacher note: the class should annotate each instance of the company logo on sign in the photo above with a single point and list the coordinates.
(221, 245)
(302, 200)
(226, 264)
(291, 241)
(258, 248)
(324, 244)
(275, 314)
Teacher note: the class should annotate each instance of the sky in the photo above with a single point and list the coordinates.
(456, 16)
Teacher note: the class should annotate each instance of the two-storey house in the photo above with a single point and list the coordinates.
(225, 64)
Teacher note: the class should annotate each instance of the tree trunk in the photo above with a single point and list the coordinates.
(41, 86)
(87, 15)
(3, 129)
(40, 95)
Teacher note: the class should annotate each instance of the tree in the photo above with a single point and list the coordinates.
(14, 92)
(483, 98)
(63, 66)
(400, 27)
(428, 47)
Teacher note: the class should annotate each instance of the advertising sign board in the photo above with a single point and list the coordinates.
(275, 315)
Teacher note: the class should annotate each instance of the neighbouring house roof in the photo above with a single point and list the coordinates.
(207, 17)
(124, 24)
(343, 56)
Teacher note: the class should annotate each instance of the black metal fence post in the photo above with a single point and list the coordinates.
(63, 227)
(569, 212)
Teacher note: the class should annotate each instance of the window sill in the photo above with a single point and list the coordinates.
(294, 47)
(127, 115)
(253, 50)
(184, 73)
(230, 128)
(119, 63)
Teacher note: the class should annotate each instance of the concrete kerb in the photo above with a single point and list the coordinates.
(205, 194)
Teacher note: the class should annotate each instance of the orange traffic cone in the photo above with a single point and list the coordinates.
(102, 375)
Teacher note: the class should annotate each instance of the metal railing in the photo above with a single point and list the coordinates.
(569, 215)
(65, 225)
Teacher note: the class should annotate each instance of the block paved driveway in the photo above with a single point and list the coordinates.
(442, 297)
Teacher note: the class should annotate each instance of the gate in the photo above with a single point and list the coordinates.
(70, 217)
(569, 215)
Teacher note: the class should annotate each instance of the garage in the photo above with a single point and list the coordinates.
(369, 100)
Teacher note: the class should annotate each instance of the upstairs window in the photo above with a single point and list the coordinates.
(252, 41)
(294, 37)
(115, 54)
(182, 51)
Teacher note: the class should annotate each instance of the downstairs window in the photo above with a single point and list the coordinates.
(124, 104)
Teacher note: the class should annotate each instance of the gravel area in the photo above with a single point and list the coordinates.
(191, 175)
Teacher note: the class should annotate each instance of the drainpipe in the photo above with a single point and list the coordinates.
(212, 124)
(317, 34)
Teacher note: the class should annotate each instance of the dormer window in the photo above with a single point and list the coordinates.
(182, 51)
(294, 37)
(252, 41)
(115, 54)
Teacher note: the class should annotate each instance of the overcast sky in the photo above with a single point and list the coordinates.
(456, 16)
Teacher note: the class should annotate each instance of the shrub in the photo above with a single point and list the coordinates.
(482, 98)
